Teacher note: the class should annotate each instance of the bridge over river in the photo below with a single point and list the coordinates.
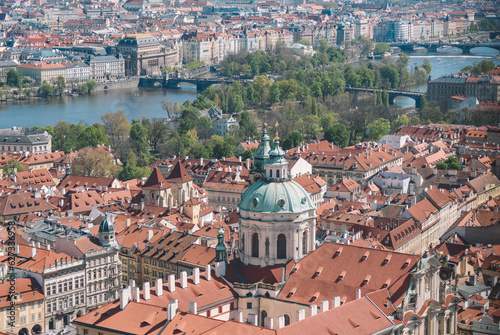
(417, 96)
(173, 83)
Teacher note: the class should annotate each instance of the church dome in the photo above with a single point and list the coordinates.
(106, 225)
(267, 196)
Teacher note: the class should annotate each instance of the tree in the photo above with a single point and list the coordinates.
(365, 43)
(46, 89)
(481, 67)
(427, 66)
(235, 103)
(12, 167)
(139, 136)
(378, 128)
(292, 140)
(13, 78)
(385, 98)
(91, 86)
(442, 166)
(338, 135)
(92, 136)
(403, 60)
(305, 42)
(223, 149)
(127, 173)
(117, 127)
(381, 47)
(453, 163)
(94, 162)
(61, 84)
(402, 121)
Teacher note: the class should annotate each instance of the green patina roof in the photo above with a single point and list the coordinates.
(276, 197)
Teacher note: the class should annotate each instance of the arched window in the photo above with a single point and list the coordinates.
(277, 173)
(304, 242)
(287, 319)
(255, 245)
(281, 246)
(263, 315)
(270, 173)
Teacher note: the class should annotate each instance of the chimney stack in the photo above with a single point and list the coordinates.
(171, 283)
(193, 307)
(281, 321)
(146, 291)
(301, 314)
(335, 302)
(313, 309)
(196, 276)
(135, 294)
(33, 252)
(268, 323)
(238, 316)
(358, 294)
(323, 307)
(131, 283)
(127, 221)
(183, 280)
(16, 249)
(253, 319)
(159, 287)
(208, 272)
(124, 297)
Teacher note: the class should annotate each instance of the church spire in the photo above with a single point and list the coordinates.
(262, 153)
(220, 249)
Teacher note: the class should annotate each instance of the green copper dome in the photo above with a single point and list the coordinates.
(267, 196)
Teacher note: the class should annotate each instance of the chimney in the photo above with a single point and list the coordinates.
(172, 308)
(281, 321)
(131, 283)
(38, 245)
(142, 206)
(146, 291)
(313, 310)
(193, 307)
(201, 161)
(127, 186)
(358, 294)
(196, 276)
(124, 297)
(472, 280)
(171, 283)
(466, 304)
(253, 319)
(335, 302)
(268, 323)
(238, 316)
(149, 235)
(301, 314)
(184, 280)
(48, 247)
(33, 252)
(248, 163)
(127, 221)
(159, 287)
(135, 294)
(208, 273)
(16, 250)
(323, 306)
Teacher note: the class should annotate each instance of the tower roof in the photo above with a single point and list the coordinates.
(179, 174)
(156, 181)
(276, 197)
(106, 225)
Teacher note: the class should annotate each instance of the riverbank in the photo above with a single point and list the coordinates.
(118, 85)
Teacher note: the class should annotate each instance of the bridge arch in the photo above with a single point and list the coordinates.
(403, 99)
(481, 50)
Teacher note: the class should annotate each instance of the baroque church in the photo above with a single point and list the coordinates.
(281, 276)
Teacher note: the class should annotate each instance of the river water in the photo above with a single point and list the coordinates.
(137, 102)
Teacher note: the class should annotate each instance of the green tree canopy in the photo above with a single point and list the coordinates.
(338, 135)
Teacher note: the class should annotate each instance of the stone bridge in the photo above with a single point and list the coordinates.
(175, 83)
(433, 47)
(417, 96)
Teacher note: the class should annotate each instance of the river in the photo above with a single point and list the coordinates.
(137, 102)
